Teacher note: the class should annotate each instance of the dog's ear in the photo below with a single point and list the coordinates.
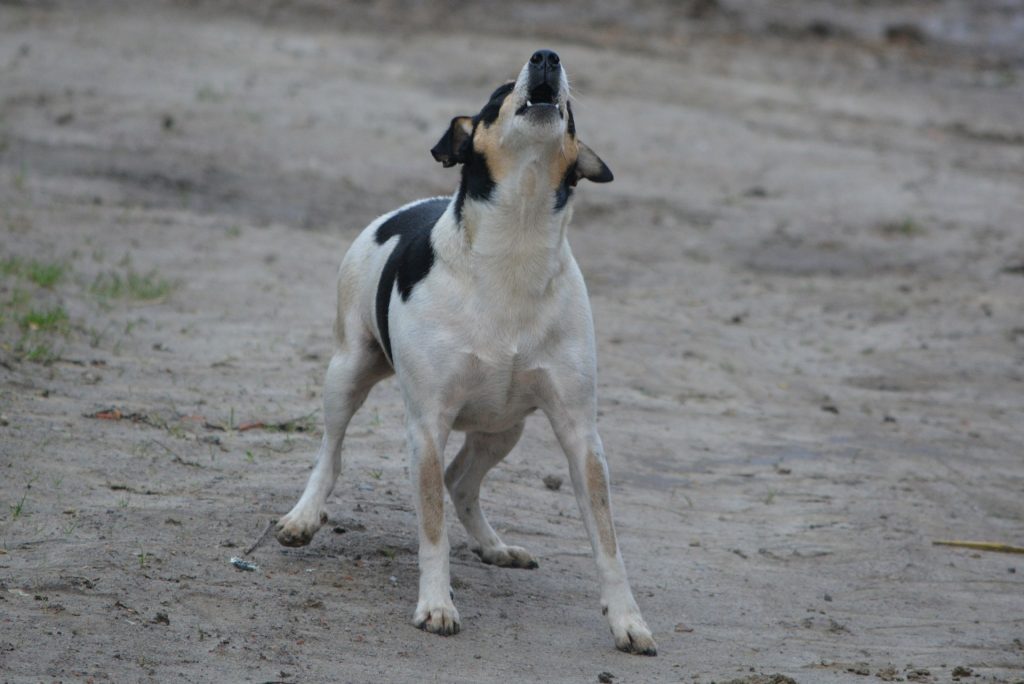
(449, 150)
(590, 166)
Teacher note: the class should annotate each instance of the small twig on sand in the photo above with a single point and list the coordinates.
(166, 448)
(263, 537)
(299, 424)
(981, 546)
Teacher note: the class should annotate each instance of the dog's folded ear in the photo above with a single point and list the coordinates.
(590, 166)
(451, 149)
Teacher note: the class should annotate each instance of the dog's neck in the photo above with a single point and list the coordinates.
(516, 234)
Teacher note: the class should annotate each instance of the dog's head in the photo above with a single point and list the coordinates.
(529, 119)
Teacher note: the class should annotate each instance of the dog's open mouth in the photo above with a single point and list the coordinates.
(542, 97)
(542, 94)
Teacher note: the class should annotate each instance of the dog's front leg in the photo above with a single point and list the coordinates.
(435, 611)
(588, 470)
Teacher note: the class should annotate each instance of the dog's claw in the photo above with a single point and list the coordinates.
(508, 557)
(441, 620)
(638, 645)
(633, 636)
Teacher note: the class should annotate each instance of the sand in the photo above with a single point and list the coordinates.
(808, 286)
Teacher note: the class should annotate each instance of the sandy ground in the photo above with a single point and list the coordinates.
(808, 283)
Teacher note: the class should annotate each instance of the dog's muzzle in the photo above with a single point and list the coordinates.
(544, 81)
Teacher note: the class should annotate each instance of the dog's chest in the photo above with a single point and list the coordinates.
(496, 393)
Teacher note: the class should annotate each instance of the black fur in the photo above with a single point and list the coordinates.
(477, 182)
(410, 260)
(489, 114)
(564, 190)
(451, 148)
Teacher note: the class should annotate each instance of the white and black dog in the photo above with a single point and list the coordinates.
(476, 303)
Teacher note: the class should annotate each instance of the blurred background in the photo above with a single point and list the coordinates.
(808, 285)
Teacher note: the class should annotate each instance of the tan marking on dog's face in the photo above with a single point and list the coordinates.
(489, 141)
(597, 489)
(500, 160)
(431, 493)
(563, 160)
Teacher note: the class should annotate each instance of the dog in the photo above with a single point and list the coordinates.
(476, 304)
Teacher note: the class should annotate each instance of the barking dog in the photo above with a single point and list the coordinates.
(476, 303)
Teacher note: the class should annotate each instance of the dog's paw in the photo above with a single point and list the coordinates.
(298, 530)
(633, 636)
(507, 557)
(440, 619)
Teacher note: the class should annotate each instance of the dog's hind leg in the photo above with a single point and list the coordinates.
(480, 453)
(353, 371)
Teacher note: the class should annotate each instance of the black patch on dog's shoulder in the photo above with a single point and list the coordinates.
(572, 122)
(410, 260)
(489, 114)
(564, 190)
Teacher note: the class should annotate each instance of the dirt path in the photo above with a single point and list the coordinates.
(808, 280)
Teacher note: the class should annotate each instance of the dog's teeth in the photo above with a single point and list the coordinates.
(529, 104)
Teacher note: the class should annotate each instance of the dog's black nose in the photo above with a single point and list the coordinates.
(545, 59)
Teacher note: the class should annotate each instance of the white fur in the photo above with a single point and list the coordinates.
(500, 327)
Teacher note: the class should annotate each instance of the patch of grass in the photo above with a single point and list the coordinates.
(139, 450)
(42, 273)
(37, 325)
(96, 336)
(19, 299)
(376, 474)
(53, 319)
(18, 508)
(131, 285)
(21, 179)
(209, 94)
(906, 227)
(40, 353)
(11, 266)
(177, 431)
(45, 274)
